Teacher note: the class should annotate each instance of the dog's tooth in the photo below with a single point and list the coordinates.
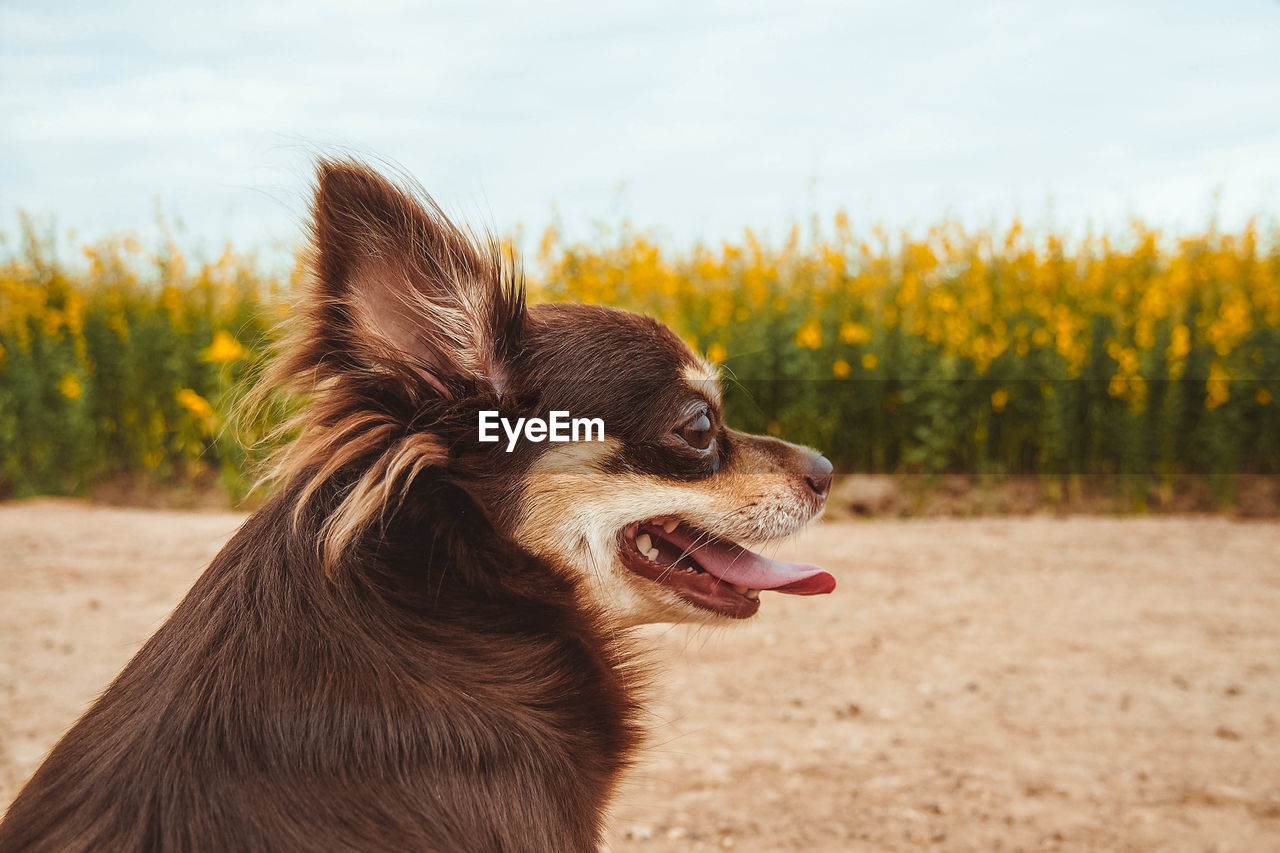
(753, 594)
(652, 553)
(670, 526)
(643, 544)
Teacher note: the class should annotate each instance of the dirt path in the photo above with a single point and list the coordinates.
(1022, 684)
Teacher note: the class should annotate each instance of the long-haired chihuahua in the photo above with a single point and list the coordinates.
(419, 643)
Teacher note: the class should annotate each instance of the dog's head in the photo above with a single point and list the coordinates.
(420, 352)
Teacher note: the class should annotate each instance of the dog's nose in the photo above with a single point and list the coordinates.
(819, 475)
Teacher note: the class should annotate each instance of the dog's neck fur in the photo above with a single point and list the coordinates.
(269, 704)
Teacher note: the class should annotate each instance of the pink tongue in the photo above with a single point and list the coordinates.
(735, 564)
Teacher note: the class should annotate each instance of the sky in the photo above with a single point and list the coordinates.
(693, 120)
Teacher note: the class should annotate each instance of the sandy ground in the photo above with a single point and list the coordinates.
(1000, 684)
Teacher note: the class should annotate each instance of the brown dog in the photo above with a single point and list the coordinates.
(417, 643)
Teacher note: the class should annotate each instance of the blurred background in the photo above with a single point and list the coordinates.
(986, 241)
(1009, 260)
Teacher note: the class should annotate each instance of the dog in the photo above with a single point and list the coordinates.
(420, 642)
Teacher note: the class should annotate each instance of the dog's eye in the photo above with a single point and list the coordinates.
(697, 432)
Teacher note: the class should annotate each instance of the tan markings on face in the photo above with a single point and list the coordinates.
(574, 512)
(703, 378)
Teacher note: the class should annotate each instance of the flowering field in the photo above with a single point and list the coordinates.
(954, 350)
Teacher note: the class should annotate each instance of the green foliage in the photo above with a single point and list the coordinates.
(954, 352)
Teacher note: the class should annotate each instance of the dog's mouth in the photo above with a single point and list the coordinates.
(713, 573)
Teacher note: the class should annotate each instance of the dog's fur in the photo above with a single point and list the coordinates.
(418, 642)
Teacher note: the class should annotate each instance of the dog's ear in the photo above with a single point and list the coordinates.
(398, 288)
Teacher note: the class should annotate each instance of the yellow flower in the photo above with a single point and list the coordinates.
(1118, 387)
(843, 227)
(1262, 397)
(1217, 387)
(716, 353)
(193, 403)
(841, 368)
(809, 335)
(999, 399)
(869, 361)
(1179, 344)
(70, 387)
(224, 349)
(854, 333)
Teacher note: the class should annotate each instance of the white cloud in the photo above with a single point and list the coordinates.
(712, 116)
